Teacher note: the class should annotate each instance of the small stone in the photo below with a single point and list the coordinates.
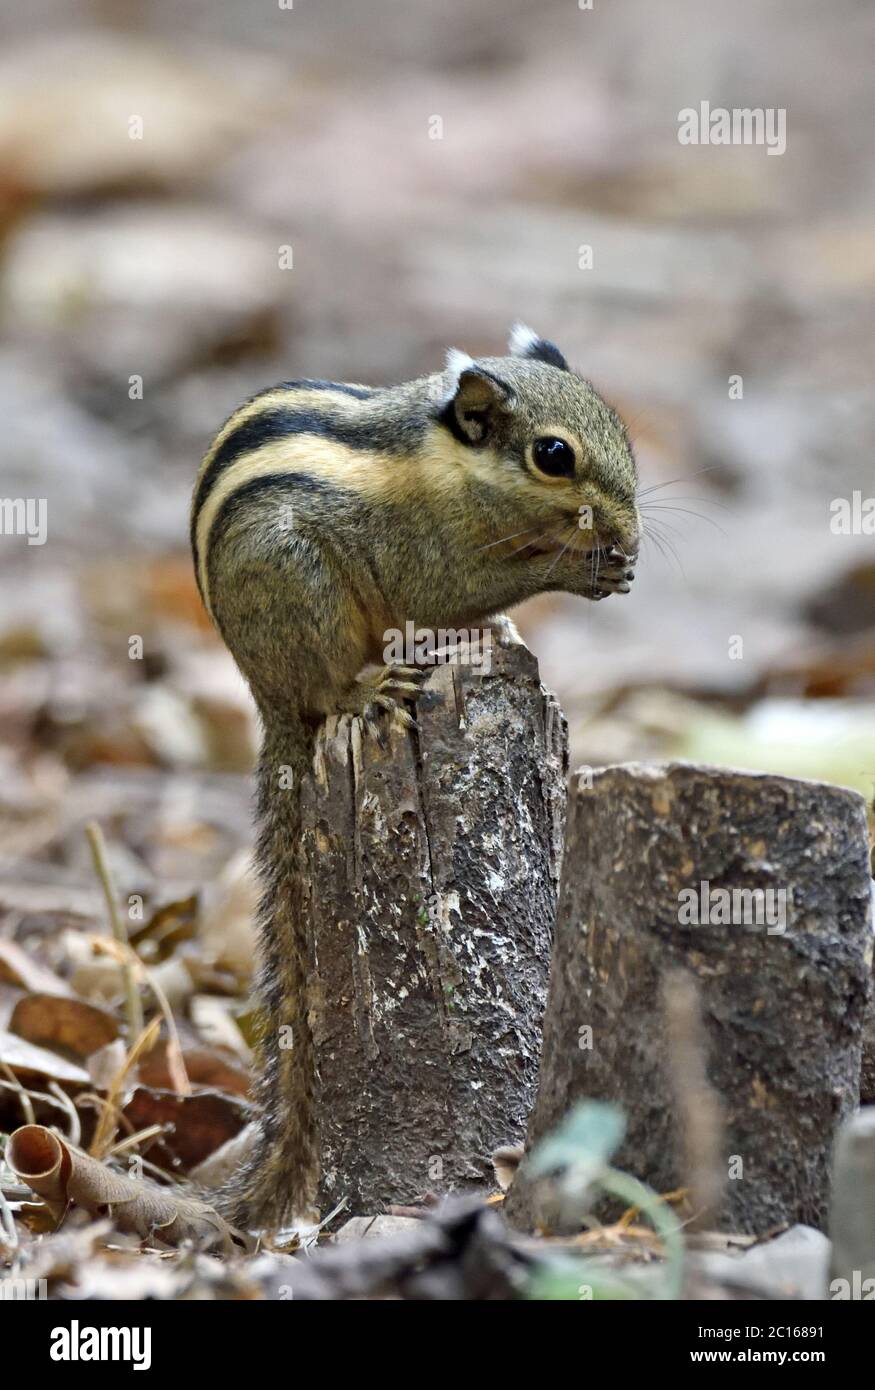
(852, 1211)
(366, 1227)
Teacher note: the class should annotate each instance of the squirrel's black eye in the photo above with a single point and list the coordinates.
(553, 456)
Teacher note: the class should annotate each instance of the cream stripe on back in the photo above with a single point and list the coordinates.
(368, 473)
(436, 469)
(281, 397)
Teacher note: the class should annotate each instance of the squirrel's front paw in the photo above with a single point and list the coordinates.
(504, 631)
(381, 696)
(614, 573)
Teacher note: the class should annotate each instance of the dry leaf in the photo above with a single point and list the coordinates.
(20, 968)
(60, 1254)
(228, 922)
(196, 1125)
(99, 980)
(60, 1174)
(174, 980)
(505, 1163)
(222, 1164)
(69, 1023)
(204, 1068)
(170, 924)
(216, 1023)
(23, 1056)
(106, 1064)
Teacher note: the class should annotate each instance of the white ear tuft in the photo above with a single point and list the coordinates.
(525, 343)
(457, 363)
(522, 340)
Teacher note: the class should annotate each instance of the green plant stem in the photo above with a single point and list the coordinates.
(635, 1194)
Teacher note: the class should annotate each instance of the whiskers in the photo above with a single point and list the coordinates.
(547, 536)
(663, 544)
(657, 529)
(572, 534)
(657, 487)
(554, 537)
(562, 537)
(502, 540)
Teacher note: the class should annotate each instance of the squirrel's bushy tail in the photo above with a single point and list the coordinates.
(278, 1180)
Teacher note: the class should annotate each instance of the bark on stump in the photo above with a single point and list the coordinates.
(783, 1010)
(434, 869)
(867, 1073)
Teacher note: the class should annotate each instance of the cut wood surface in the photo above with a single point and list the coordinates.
(670, 867)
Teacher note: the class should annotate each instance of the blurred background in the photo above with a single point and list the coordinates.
(199, 200)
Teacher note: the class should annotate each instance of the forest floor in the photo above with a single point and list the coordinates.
(143, 294)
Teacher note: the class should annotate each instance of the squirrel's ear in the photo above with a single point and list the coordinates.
(474, 399)
(526, 343)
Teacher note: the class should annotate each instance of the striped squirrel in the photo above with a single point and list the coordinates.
(326, 515)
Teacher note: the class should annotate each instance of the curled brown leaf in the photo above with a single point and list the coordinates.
(60, 1173)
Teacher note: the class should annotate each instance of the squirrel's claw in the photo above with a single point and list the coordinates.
(371, 701)
(615, 573)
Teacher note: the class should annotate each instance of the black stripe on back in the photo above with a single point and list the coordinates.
(279, 422)
(269, 483)
(361, 393)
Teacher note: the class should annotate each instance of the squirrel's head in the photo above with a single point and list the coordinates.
(536, 427)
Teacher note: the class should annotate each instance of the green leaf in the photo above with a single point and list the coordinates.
(579, 1281)
(584, 1142)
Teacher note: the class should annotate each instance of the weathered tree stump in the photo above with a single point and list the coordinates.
(669, 867)
(434, 868)
(867, 1074)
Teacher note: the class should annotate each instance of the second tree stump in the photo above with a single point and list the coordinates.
(671, 867)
